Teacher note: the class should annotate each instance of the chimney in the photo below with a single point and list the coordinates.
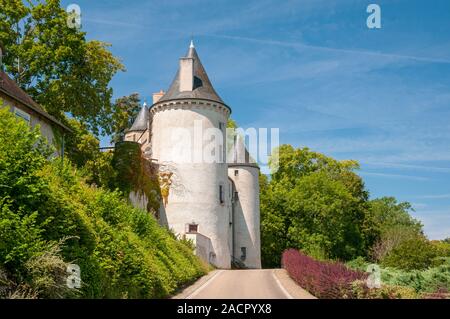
(186, 74)
(157, 96)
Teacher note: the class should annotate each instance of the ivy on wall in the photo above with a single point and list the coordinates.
(135, 173)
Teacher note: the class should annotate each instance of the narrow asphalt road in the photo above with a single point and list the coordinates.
(246, 284)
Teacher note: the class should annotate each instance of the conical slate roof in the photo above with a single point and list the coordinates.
(140, 123)
(203, 88)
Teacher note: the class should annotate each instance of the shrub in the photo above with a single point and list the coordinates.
(361, 291)
(442, 248)
(322, 279)
(359, 263)
(416, 253)
(425, 281)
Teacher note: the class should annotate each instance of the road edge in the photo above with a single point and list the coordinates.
(197, 286)
(293, 289)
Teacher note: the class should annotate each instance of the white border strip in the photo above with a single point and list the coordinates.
(288, 295)
(199, 289)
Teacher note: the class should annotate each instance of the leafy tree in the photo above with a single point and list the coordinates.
(125, 110)
(391, 225)
(55, 63)
(388, 213)
(313, 203)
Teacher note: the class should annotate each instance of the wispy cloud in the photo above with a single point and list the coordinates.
(396, 176)
(302, 46)
(407, 166)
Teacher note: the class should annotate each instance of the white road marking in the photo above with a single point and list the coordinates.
(199, 289)
(287, 294)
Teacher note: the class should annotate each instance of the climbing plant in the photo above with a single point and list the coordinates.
(135, 173)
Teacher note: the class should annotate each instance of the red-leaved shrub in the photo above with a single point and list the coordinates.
(323, 279)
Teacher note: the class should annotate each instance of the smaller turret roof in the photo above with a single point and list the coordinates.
(141, 122)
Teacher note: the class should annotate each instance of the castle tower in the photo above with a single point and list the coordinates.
(244, 174)
(195, 193)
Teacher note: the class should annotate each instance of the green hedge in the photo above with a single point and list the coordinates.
(122, 251)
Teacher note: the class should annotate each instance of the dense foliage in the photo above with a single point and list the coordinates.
(320, 205)
(49, 216)
(313, 203)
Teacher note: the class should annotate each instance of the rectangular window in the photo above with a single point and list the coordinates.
(193, 228)
(22, 114)
(221, 197)
(243, 253)
(236, 172)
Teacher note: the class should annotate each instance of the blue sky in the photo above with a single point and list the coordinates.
(313, 69)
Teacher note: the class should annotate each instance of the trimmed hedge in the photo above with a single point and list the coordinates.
(327, 280)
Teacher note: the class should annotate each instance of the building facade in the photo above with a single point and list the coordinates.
(25, 108)
(205, 197)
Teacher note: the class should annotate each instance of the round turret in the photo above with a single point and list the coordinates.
(195, 196)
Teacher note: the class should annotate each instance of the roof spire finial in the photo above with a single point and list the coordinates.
(191, 46)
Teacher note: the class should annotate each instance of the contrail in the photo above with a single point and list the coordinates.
(328, 49)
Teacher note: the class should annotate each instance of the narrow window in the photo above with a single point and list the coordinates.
(243, 253)
(236, 172)
(221, 197)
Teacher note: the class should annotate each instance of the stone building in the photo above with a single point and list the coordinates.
(214, 203)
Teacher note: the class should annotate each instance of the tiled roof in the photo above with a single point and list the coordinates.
(10, 88)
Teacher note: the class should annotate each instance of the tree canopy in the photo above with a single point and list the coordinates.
(314, 203)
(320, 205)
(55, 63)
